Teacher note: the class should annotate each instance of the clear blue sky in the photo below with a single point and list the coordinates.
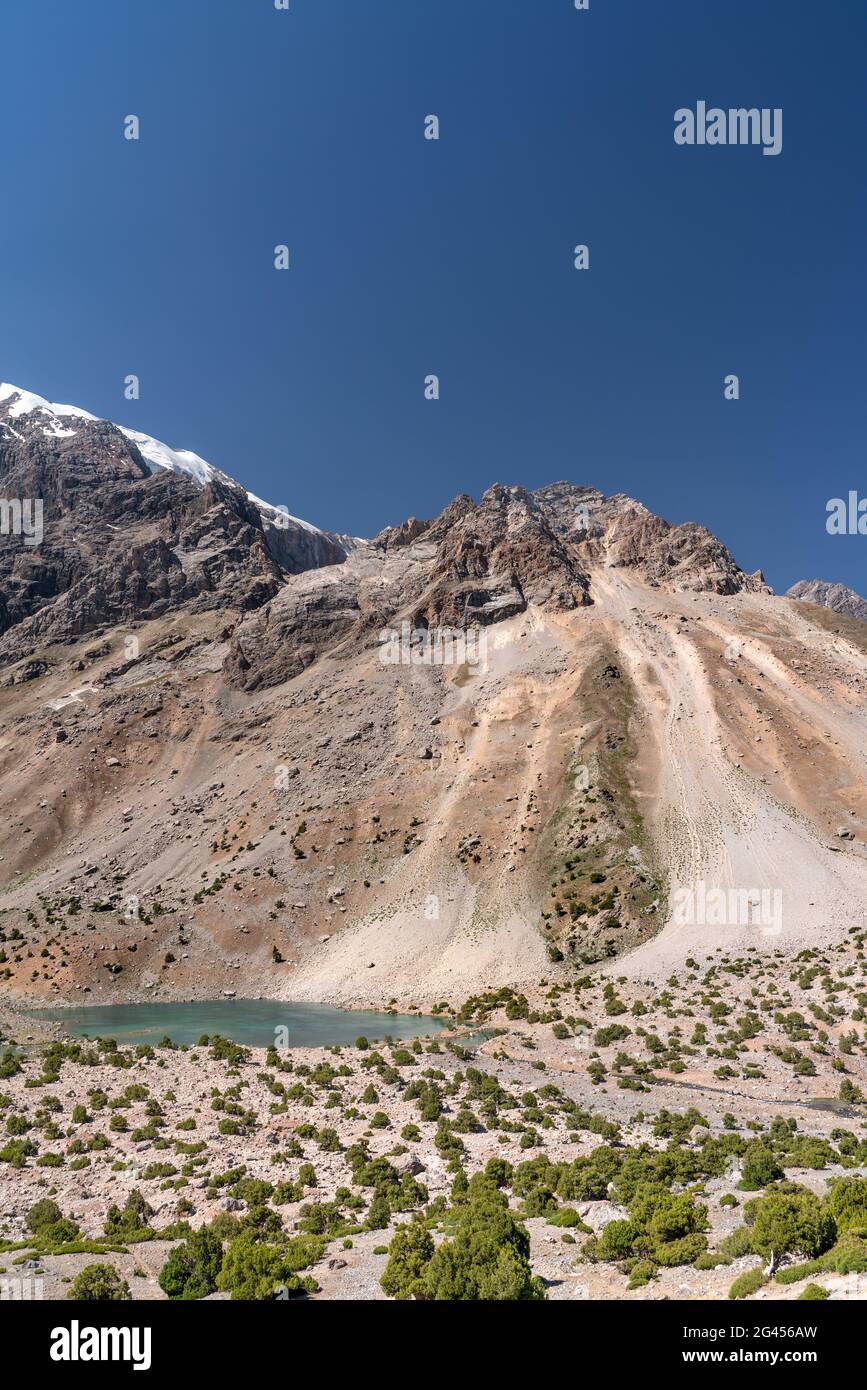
(411, 257)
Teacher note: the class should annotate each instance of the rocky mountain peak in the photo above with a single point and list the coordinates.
(134, 530)
(131, 529)
(838, 597)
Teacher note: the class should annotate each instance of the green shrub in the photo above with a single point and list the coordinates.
(191, 1269)
(17, 1151)
(711, 1259)
(567, 1216)
(749, 1283)
(99, 1284)
(792, 1222)
(641, 1273)
(737, 1243)
(258, 1272)
(615, 1032)
(848, 1203)
(793, 1274)
(682, 1251)
(60, 1232)
(487, 1260)
(618, 1240)
(408, 1257)
(759, 1167)
(131, 1220)
(848, 1256)
(812, 1294)
(43, 1214)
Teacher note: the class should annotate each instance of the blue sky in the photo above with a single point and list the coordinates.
(454, 257)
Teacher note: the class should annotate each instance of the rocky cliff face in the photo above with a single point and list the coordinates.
(837, 597)
(618, 531)
(474, 566)
(125, 541)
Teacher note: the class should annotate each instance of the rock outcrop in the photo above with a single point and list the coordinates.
(837, 597)
(475, 565)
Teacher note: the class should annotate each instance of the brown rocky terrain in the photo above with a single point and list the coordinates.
(219, 774)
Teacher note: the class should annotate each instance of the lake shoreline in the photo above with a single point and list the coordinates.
(253, 1022)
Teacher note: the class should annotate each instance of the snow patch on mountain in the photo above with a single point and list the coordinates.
(28, 401)
(279, 516)
(159, 455)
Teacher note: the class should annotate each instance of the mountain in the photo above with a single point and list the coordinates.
(525, 737)
(477, 565)
(132, 529)
(835, 596)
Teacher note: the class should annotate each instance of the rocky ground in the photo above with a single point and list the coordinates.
(753, 1045)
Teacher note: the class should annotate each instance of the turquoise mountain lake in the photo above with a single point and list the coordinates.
(249, 1021)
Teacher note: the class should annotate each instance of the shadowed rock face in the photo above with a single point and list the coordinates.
(835, 596)
(296, 548)
(495, 559)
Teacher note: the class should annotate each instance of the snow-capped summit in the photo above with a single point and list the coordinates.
(58, 424)
(28, 401)
(131, 529)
